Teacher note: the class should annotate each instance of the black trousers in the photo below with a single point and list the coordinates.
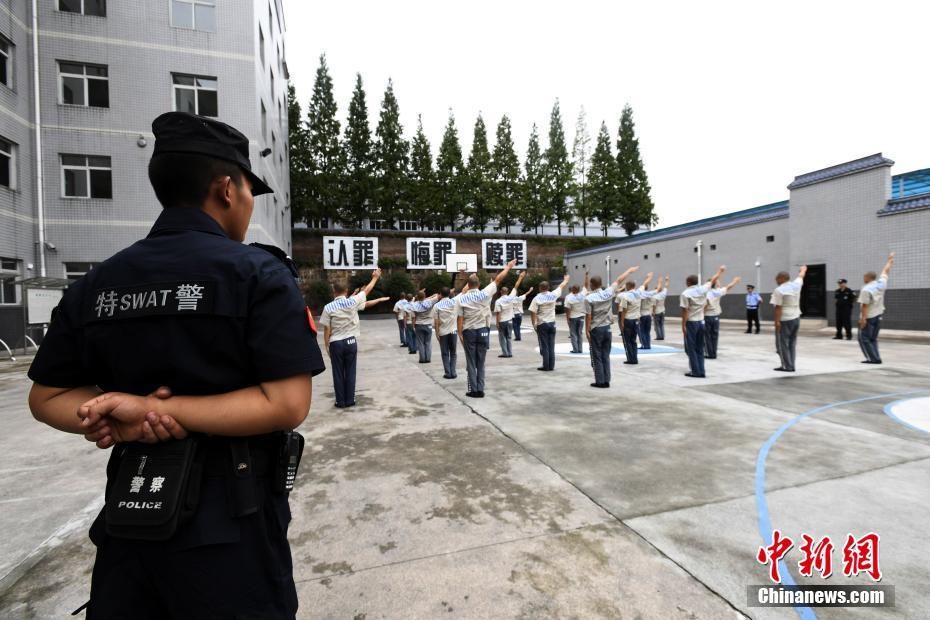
(752, 316)
(844, 320)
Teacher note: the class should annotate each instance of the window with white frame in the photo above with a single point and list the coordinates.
(194, 14)
(408, 225)
(9, 271)
(73, 271)
(6, 62)
(7, 169)
(84, 7)
(196, 94)
(83, 85)
(86, 176)
(377, 225)
(318, 223)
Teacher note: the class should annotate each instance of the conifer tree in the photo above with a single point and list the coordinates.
(450, 176)
(479, 209)
(357, 182)
(422, 183)
(558, 171)
(298, 157)
(391, 161)
(602, 195)
(581, 155)
(324, 161)
(535, 209)
(505, 174)
(635, 200)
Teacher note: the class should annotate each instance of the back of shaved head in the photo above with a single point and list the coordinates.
(473, 281)
(595, 281)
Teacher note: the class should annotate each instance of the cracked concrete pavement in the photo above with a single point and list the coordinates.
(546, 499)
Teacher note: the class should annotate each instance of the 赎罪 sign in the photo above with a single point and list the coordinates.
(423, 253)
(350, 252)
(496, 253)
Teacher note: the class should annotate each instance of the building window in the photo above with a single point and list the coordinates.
(271, 80)
(264, 122)
(377, 225)
(7, 171)
(84, 85)
(658, 254)
(713, 246)
(695, 249)
(73, 271)
(770, 239)
(84, 7)
(6, 64)
(196, 94)
(86, 176)
(261, 45)
(408, 225)
(321, 223)
(9, 271)
(194, 14)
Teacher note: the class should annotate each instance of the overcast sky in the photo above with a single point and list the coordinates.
(731, 99)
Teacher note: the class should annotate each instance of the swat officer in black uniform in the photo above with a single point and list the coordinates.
(194, 526)
(845, 297)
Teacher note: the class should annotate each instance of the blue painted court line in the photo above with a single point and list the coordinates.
(887, 409)
(762, 506)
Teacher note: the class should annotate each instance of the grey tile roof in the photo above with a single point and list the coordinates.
(839, 170)
(902, 205)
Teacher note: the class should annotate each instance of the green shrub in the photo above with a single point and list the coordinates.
(433, 282)
(396, 283)
(318, 293)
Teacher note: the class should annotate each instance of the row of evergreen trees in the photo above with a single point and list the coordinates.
(354, 176)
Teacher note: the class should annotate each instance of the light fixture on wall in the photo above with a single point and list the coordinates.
(141, 142)
(265, 152)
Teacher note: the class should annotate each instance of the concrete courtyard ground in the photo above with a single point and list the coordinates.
(547, 498)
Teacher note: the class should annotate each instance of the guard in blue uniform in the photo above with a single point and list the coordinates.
(196, 515)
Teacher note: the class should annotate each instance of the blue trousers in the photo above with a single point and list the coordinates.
(343, 355)
(504, 335)
(448, 345)
(711, 336)
(411, 338)
(601, 342)
(576, 333)
(425, 342)
(402, 330)
(645, 331)
(630, 332)
(545, 333)
(517, 322)
(694, 347)
(868, 338)
(660, 326)
(476, 350)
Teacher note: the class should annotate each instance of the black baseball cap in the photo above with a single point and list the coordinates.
(842, 281)
(182, 132)
(750, 286)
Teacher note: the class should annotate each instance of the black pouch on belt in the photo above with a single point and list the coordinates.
(157, 487)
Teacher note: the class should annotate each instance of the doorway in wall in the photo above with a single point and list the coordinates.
(814, 293)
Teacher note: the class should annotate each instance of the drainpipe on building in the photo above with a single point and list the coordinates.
(607, 262)
(759, 275)
(700, 253)
(40, 208)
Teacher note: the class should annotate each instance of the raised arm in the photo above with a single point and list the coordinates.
(503, 274)
(375, 302)
(375, 275)
(626, 274)
(587, 280)
(802, 271)
(564, 283)
(719, 273)
(732, 283)
(646, 282)
(888, 265)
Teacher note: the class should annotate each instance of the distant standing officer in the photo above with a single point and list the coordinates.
(399, 315)
(658, 310)
(753, 299)
(472, 309)
(408, 325)
(712, 312)
(692, 301)
(872, 306)
(645, 316)
(599, 322)
(445, 323)
(423, 325)
(574, 314)
(225, 327)
(341, 333)
(787, 301)
(630, 304)
(844, 297)
(503, 312)
(542, 313)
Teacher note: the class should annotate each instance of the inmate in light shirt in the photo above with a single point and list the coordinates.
(873, 294)
(713, 301)
(544, 305)
(444, 312)
(422, 311)
(575, 303)
(399, 309)
(504, 305)
(788, 296)
(631, 301)
(474, 306)
(518, 304)
(600, 305)
(658, 301)
(341, 316)
(693, 299)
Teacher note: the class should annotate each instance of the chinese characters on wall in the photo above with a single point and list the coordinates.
(350, 252)
(428, 253)
(496, 253)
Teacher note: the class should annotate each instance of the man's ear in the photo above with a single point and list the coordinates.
(224, 190)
